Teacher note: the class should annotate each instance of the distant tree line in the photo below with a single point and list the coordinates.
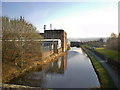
(95, 43)
(18, 39)
(113, 41)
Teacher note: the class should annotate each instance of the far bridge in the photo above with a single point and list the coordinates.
(75, 44)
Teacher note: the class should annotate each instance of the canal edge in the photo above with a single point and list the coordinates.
(105, 78)
(93, 67)
(34, 66)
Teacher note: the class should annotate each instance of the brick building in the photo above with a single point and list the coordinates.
(57, 34)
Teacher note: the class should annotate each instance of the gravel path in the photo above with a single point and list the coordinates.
(114, 75)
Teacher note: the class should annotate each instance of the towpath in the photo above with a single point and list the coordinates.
(114, 75)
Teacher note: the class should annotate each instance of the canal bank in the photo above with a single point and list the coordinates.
(104, 77)
(34, 65)
(113, 74)
(72, 70)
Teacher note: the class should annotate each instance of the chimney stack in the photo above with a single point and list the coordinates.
(44, 27)
(50, 26)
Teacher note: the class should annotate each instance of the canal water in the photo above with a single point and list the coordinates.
(73, 70)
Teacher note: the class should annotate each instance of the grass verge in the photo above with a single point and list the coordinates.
(104, 77)
(114, 54)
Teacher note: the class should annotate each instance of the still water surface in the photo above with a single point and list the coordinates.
(73, 70)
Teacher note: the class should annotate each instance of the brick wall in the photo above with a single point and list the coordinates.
(57, 34)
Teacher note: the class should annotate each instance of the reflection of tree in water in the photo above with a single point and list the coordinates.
(38, 78)
(34, 79)
(58, 66)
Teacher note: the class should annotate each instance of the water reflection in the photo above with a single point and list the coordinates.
(38, 78)
(57, 67)
(73, 70)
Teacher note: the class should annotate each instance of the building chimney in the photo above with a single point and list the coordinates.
(44, 27)
(50, 26)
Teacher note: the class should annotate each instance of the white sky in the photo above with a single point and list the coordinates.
(79, 21)
(95, 23)
(59, 0)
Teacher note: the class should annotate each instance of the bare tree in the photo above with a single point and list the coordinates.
(112, 42)
(19, 38)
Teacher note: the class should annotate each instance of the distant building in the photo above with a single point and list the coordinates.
(57, 34)
(75, 44)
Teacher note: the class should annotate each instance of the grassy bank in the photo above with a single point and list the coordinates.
(104, 77)
(11, 71)
(114, 54)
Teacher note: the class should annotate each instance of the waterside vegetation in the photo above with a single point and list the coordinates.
(104, 77)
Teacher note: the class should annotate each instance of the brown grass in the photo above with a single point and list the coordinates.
(11, 70)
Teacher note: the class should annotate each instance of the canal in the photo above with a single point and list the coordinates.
(73, 70)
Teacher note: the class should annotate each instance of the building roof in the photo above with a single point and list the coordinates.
(51, 40)
(55, 30)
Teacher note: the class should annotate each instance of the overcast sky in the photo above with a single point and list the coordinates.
(78, 19)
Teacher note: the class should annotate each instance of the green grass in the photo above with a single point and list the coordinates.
(105, 79)
(114, 54)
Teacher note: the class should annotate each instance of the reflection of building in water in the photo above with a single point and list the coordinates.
(58, 66)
